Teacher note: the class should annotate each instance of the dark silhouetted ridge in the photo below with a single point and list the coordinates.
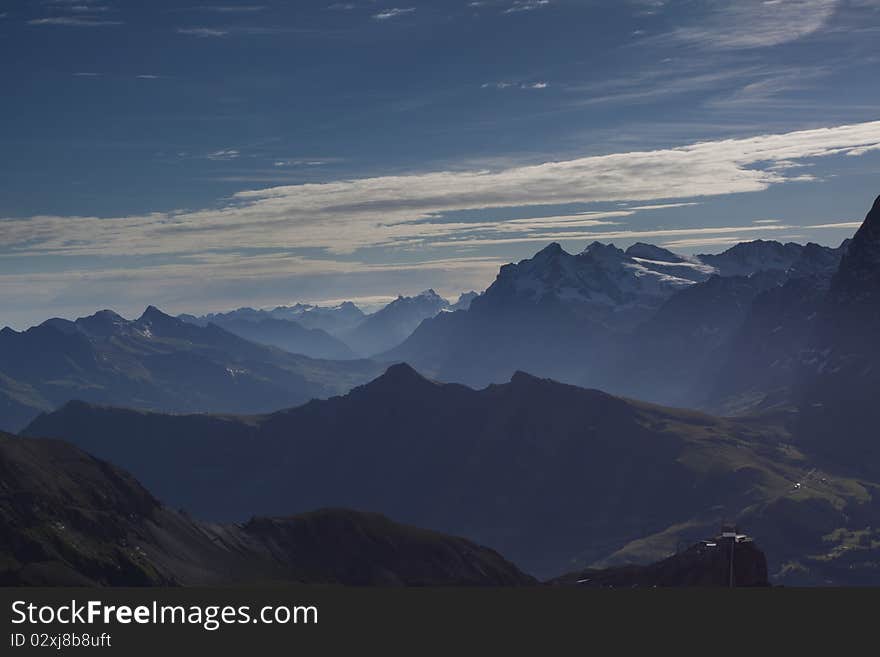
(67, 518)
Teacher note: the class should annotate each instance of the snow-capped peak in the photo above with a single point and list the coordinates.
(601, 279)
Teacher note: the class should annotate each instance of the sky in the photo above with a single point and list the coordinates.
(202, 157)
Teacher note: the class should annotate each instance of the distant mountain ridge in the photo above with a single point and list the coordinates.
(602, 318)
(598, 318)
(602, 280)
(284, 334)
(160, 362)
(330, 319)
(746, 258)
(338, 332)
(388, 327)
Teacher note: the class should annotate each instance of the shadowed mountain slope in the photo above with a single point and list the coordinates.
(69, 519)
(551, 475)
(840, 370)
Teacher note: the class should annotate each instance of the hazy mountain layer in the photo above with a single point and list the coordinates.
(157, 362)
(391, 325)
(553, 476)
(282, 333)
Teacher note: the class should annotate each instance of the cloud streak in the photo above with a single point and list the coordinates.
(758, 23)
(345, 216)
(72, 21)
(395, 12)
(203, 32)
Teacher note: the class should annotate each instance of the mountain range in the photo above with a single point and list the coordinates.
(774, 343)
(613, 319)
(338, 332)
(333, 319)
(285, 334)
(553, 476)
(157, 361)
(391, 325)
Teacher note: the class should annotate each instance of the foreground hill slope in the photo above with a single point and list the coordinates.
(704, 564)
(69, 519)
(554, 476)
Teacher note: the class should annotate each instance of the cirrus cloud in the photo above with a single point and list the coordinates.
(341, 217)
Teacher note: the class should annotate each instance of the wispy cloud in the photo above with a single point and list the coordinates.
(701, 236)
(83, 8)
(526, 5)
(648, 7)
(224, 154)
(734, 24)
(395, 12)
(515, 85)
(863, 150)
(393, 211)
(73, 21)
(202, 31)
(302, 163)
(231, 9)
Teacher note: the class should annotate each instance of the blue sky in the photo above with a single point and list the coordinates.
(205, 156)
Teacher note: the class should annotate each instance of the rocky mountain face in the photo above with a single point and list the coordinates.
(618, 320)
(392, 324)
(553, 476)
(68, 519)
(732, 342)
(748, 257)
(158, 362)
(840, 368)
(464, 301)
(552, 314)
(759, 363)
(671, 357)
(610, 286)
